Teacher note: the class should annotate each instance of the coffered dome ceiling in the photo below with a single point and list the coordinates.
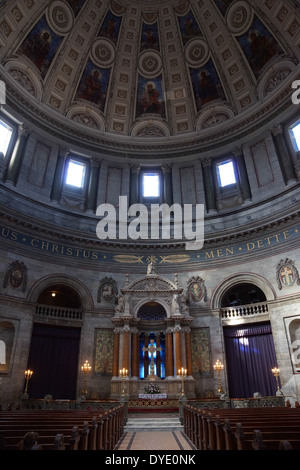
(136, 75)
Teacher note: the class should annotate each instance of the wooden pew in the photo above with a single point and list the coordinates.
(49, 441)
(76, 436)
(217, 430)
(44, 443)
(95, 432)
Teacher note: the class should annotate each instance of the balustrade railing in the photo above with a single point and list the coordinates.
(239, 311)
(59, 312)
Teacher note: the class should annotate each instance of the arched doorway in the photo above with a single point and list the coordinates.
(249, 347)
(54, 348)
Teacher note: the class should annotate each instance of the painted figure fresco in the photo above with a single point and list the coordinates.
(149, 37)
(110, 27)
(93, 85)
(259, 46)
(206, 84)
(223, 5)
(41, 45)
(150, 97)
(104, 352)
(200, 343)
(189, 27)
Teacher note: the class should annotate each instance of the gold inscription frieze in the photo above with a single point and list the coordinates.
(205, 255)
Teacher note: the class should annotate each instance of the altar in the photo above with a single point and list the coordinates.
(152, 342)
(153, 396)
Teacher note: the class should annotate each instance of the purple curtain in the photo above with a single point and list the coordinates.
(250, 356)
(53, 357)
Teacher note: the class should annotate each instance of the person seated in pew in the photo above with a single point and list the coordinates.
(29, 442)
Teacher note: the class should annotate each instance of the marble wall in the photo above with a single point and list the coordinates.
(18, 308)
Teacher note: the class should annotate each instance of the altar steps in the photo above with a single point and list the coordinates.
(140, 424)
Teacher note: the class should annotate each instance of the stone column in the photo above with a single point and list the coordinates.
(126, 350)
(168, 193)
(243, 175)
(93, 185)
(178, 352)
(209, 186)
(116, 353)
(135, 355)
(283, 153)
(169, 354)
(59, 174)
(188, 347)
(134, 184)
(14, 165)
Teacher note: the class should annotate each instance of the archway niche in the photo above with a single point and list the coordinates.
(151, 317)
(66, 288)
(248, 282)
(242, 294)
(60, 295)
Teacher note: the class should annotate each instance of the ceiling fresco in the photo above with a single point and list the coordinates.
(149, 69)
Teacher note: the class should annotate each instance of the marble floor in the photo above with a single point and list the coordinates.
(155, 439)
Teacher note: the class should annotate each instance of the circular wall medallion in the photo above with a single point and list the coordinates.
(103, 53)
(60, 17)
(239, 17)
(150, 64)
(197, 52)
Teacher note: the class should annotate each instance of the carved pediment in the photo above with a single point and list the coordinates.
(152, 288)
(150, 284)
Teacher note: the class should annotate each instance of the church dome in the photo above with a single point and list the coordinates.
(162, 77)
(175, 87)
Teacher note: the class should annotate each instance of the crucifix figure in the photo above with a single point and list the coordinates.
(151, 349)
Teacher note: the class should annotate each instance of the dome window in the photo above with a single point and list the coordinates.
(296, 135)
(226, 173)
(151, 185)
(76, 173)
(5, 137)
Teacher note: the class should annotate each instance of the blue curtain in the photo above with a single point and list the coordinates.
(53, 357)
(250, 356)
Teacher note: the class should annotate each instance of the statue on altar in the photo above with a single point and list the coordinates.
(152, 350)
